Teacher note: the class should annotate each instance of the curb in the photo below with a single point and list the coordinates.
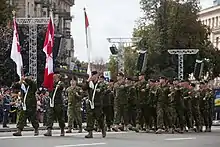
(26, 129)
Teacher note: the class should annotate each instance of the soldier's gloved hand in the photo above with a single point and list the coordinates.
(142, 90)
(98, 90)
(87, 101)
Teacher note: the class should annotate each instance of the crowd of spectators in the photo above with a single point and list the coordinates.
(10, 105)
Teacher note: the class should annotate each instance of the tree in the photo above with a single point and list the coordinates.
(113, 66)
(173, 25)
(99, 65)
(5, 12)
(130, 61)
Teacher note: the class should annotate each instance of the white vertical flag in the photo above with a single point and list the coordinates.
(88, 42)
(16, 50)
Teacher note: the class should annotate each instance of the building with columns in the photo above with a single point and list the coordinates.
(62, 12)
(211, 18)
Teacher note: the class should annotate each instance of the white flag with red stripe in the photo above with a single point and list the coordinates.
(16, 50)
(48, 50)
(88, 42)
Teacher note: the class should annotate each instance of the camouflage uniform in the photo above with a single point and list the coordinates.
(208, 109)
(121, 105)
(108, 106)
(163, 113)
(97, 112)
(56, 112)
(74, 107)
(195, 109)
(142, 105)
(31, 106)
(188, 108)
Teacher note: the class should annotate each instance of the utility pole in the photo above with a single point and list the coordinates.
(33, 23)
(122, 43)
(181, 53)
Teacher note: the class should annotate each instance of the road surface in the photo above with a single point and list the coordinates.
(113, 139)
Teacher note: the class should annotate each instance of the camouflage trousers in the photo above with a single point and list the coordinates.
(74, 114)
(164, 117)
(93, 115)
(121, 113)
(108, 111)
(55, 113)
(30, 114)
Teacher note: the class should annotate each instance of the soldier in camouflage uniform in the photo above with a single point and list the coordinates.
(163, 113)
(143, 90)
(95, 105)
(108, 104)
(74, 105)
(29, 106)
(121, 104)
(56, 109)
(177, 107)
(207, 107)
(195, 106)
(132, 101)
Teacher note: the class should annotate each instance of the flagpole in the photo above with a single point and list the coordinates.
(87, 41)
(14, 23)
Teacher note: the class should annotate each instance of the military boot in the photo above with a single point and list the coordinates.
(80, 129)
(206, 129)
(137, 128)
(160, 131)
(48, 133)
(69, 130)
(115, 128)
(209, 129)
(62, 132)
(90, 135)
(36, 132)
(18, 133)
(103, 133)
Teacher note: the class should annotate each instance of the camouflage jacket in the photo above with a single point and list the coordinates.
(74, 96)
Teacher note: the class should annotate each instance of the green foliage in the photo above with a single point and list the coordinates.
(113, 67)
(173, 25)
(130, 60)
(5, 12)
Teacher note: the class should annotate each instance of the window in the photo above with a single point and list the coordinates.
(217, 39)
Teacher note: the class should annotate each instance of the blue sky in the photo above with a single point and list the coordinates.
(107, 18)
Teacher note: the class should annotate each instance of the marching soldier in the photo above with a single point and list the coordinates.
(94, 109)
(29, 105)
(74, 105)
(163, 113)
(120, 103)
(56, 108)
(108, 101)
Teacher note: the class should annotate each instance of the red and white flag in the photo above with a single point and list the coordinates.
(16, 50)
(48, 50)
(88, 42)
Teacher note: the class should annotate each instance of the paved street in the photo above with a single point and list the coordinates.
(120, 139)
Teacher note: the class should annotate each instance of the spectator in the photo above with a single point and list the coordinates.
(1, 108)
(6, 107)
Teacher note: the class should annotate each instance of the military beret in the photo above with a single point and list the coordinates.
(94, 73)
(202, 82)
(102, 77)
(152, 80)
(193, 85)
(121, 74)
(163, 78)
(141, 74)
(128, 78)
(111, 80)
(74, 78)
(6, 89)
(27, 74)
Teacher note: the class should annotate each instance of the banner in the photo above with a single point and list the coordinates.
(217, 98)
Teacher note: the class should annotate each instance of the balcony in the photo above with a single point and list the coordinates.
(70, 2)
(62, 13)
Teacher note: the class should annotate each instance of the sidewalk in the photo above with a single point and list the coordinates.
(12, 127)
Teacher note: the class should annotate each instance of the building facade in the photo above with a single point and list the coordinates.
(62, 12)
(211, 18)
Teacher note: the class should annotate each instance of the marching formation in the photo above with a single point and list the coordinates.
(157, 106)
